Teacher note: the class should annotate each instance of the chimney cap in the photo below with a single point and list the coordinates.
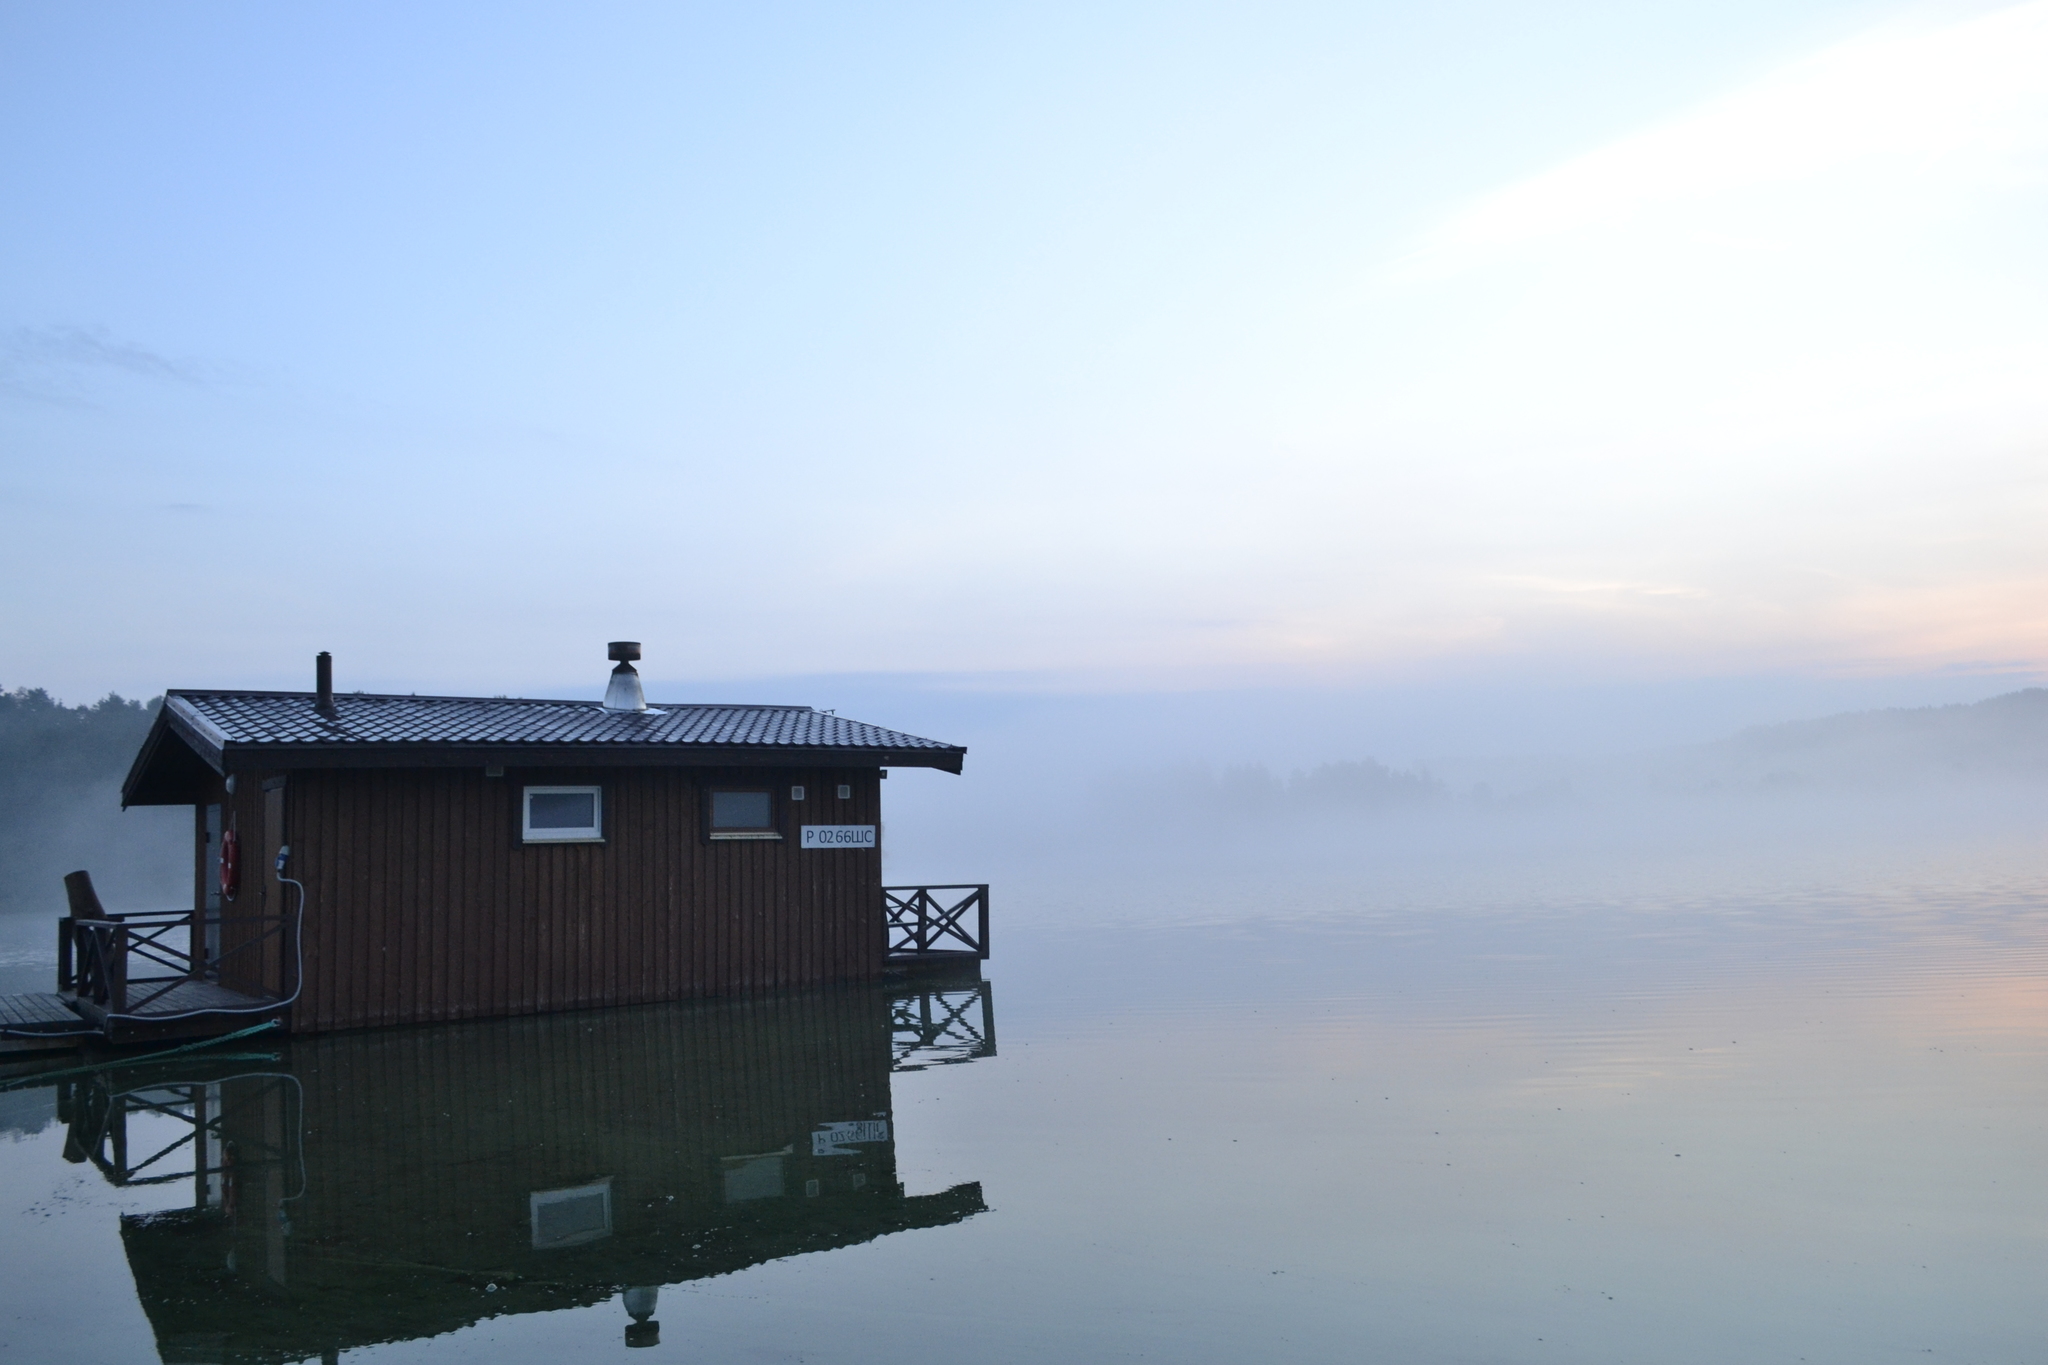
(623, 651)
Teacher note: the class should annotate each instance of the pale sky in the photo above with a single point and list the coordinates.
(1089, 347)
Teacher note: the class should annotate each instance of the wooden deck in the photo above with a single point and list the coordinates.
(47, 1021)
(188, 1009)
(134, 978)
(39, 1022)
(42, 1012)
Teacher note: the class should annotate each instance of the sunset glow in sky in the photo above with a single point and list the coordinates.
(1094, 347)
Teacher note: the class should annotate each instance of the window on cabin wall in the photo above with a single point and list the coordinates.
(562, 815)
(742, 813)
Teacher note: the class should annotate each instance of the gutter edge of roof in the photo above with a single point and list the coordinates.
(243, 756)
(198, 727)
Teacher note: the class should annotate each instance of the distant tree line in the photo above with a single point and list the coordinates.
(60, 803)
(45, 744)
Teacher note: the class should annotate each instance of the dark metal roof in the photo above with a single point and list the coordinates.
(230, 730)
(289, 718)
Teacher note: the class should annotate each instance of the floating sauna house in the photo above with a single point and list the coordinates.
(367, 860)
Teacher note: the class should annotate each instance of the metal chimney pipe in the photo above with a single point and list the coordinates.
(323, 684)
(624, 693)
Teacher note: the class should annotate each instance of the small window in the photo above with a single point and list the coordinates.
(845, 792)
(743, 815)
(796, 793)
(562, 815)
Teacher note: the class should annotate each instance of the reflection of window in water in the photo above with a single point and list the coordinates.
(754, 1177)
(567, 1218)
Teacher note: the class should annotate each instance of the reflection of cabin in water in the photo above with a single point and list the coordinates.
(387, 1186)
(370, 860)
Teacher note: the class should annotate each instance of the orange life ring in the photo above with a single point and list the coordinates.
(230, 864)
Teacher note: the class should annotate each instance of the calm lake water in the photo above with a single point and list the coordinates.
(1801, 1119)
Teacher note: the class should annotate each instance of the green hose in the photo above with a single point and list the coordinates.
(41, 1076)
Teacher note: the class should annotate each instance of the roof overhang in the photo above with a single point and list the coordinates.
(178, 760)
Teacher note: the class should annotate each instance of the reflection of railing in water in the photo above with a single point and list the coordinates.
(930, 921)
(97, 1116)
(941, 1027)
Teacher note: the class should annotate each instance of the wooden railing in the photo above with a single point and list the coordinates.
(98, 959)
(935, 921)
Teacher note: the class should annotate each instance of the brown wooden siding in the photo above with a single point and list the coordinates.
(424, 905)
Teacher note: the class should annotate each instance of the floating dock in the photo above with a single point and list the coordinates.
(52, 1021)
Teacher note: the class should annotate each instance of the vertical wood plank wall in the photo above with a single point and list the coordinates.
(424, 905)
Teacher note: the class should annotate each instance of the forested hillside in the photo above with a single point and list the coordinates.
(2003, 738)
(60, 807)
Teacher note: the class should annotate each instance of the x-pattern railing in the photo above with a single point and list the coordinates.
(96, 958)
(942, 1027)
(934, 919)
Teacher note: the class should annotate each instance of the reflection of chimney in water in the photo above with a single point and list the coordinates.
(640, 1307)
(624, 694)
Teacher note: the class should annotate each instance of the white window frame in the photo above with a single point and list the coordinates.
(527, 833)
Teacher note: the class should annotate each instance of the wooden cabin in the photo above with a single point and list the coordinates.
(367, 860)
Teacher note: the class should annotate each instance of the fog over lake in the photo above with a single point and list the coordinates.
(1702, 1052)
